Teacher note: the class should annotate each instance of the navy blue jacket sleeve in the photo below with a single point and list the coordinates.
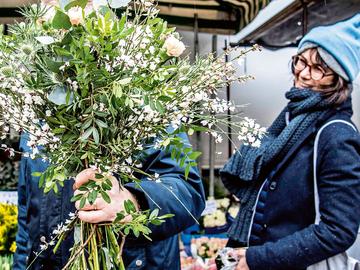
(22, 234)
(339, 193)
(173, 195)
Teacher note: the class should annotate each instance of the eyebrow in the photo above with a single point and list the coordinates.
(319, 64)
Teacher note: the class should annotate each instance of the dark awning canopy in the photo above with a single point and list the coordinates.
(212, 16)
(283, 23)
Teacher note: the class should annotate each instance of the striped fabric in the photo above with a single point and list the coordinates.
(213, 16)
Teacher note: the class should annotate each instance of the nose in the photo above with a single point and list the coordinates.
(305, 73)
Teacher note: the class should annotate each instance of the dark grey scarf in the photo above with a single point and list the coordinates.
(304, 108)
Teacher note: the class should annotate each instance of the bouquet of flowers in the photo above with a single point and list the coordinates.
(93, 84)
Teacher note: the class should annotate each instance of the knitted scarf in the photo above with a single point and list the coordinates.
(305, 107)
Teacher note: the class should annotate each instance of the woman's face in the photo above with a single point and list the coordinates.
(311, 68)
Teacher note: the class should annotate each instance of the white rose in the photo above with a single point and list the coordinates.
(173, 46)
(76, 15)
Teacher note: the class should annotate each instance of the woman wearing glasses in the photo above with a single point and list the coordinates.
(275, 182)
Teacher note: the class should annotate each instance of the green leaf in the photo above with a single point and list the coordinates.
(199, 128)
(96, 136)
(105, 196)
(194, 155)
(129, 102)
(53, 120)
(119, 217)
(76, 197)
(83, 188)
(82, 202)
(182, 162)
(147, 237)
(126, 32)
(165, 98)
(125, 81)
(105, 186)
(156, 222)
(55, 188)
(129, 206)
(166, 142)
(42, 180)
(87, 124)
(154, 213)
(122, 22)
(92, 196)
(166, 216)
(136, 232)
(101, 123)
(36, 174)
(58, 130)
(98, 176)
(160, 107)
(62, 52)
(117, 90)
(173, 153)
(61, 20)
(80, 3)
(87, 133)
(187, 171)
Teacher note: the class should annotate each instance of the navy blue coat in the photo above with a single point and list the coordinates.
(286, 236)
(39, 215)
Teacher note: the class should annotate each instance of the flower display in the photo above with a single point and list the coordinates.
(8, 228)
(204, 251)
(207, 248)
(219, 217)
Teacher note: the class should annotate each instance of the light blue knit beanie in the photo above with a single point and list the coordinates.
(338, 46)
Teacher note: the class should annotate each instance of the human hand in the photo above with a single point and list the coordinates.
(100, 210)
(242, 265)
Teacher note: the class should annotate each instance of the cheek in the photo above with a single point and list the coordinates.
(327, 80)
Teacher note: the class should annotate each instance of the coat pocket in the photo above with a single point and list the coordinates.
(134, 258)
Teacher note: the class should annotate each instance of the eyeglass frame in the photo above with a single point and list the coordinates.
(324, 74)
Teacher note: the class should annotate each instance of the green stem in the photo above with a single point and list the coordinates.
(58, 243)
(94, 248)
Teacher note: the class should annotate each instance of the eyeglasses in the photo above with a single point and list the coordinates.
(316, 71)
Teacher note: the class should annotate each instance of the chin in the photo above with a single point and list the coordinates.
(304, 86)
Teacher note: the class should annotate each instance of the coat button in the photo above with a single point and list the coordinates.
(265, 226)
(138, 262)
(273, 185)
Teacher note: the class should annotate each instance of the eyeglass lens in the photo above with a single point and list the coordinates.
(315, 72)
